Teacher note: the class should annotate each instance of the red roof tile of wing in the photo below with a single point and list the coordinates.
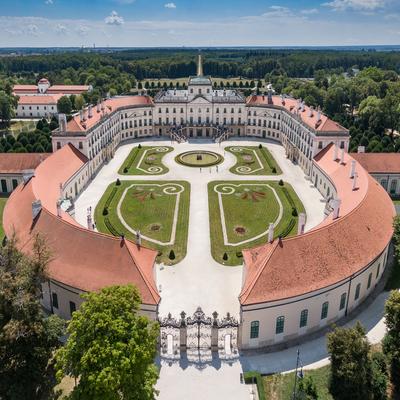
(68, 89)
(325, 125)
(39, 100)
(25, 88)
(110, 105)
(330, 252)
(15, 163)
(379, 163)
(83, 259)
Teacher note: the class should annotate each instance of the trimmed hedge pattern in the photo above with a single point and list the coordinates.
(110, 197)
(288, 228)
(271, 165)
(129, 164)
(288, 197)
(110, 227)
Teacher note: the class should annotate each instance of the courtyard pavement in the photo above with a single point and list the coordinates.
(198, 280)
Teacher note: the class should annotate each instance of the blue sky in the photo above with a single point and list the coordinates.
(198, 22)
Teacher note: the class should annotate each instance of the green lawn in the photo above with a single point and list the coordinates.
(280, 387)
(2, 204)
(149, 208)
(248, 210)
(145, 160)
(253, 160)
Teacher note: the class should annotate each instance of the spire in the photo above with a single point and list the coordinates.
(200, 66)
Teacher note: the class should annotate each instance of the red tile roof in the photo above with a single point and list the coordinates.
(329, 253)
(39, 99)
(25, 88)
(68, 89)
(15, 163)
(379, 163)
(110, 105)
(289, 104)
(82, 259)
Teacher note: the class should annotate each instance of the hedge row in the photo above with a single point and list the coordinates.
(110, 227)
(288, 228)
(250, 377)
(132, 159)
(110, 197)
(267, 159)
(288, 197)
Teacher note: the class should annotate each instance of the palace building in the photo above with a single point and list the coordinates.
(292, 286)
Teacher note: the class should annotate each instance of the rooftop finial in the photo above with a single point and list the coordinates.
(200, 66)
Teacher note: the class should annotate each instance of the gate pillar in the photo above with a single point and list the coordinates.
(183, 332)
(214, 332)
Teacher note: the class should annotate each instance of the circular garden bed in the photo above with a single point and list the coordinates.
(199, 158)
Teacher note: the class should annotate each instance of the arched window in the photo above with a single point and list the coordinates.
(324, 310)
(280, 325)
(303, 318)
(254, 329)
(369, 280)
(357, 293)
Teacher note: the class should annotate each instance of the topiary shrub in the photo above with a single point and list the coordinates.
(225, 257)
(171, 255)
(294, 212)
(239, 254)
(274, 170)
(118, 183)
(280, 182)
(125, 170)
(140, 146)
(260, 146)
(105, 211)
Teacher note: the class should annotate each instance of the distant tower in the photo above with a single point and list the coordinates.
(200, 66)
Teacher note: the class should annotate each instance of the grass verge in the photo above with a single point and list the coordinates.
(3, 200)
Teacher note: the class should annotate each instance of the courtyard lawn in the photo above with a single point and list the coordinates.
(248, 209)
(253, 160)
(280, 386)
(148, 206)
(3, 200)
(145, 160)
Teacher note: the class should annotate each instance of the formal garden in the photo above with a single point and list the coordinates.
(253, 160)
(145, 160)
(159, 210)
(240, 213)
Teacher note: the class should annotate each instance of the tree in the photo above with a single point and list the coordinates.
(308, 389)
(27, 337)
(111, 348)
(7, 104)
(79, 102)
(350, 363)
(64, 105)
(391, 342)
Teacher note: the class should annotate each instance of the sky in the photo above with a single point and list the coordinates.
(198, 23)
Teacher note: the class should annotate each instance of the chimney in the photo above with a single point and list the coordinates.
(318, 114)
(361, 149)
(270, 96)
(59, 208)
(335, 153)
(62, 122)
(342, 156)
(102, 105)
(81, 117)
(60, 187)
(301, 223)
(355, 181)
(353, 168)
(36, 208)
(311, 111)
(98, 106)
(89, 221)
(283, 99)
(90, 111)
(271, 232)
(138, 239)
(336, 207)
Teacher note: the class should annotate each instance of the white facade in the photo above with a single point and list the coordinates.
(36, 110)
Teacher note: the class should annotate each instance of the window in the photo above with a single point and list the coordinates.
(357, 294)
(280, 325)
(320, 145)
(54, 300)
(14, 183)
(254, 329)
(324, 310)
(303, 318)
(80, 145)
(378, 270)
(342, 301)
(369, 280)
(72, 307)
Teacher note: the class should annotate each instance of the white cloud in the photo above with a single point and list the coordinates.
(309, 11)
(61, 29)
(32, 30)
(114, 19)
(358, 5)
(49, 2)
(170, 5)
(277, 12)
(83, 30)
(124, 1)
